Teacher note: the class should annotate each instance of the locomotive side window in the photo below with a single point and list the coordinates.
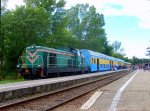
(52, 59)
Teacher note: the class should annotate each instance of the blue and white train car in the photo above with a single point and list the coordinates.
(118, 63)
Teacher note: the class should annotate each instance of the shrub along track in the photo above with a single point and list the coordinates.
(49, 101)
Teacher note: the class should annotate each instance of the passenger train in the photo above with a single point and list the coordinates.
(43, 62)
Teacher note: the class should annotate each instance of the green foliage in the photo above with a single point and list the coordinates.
(22, 27)
(148, 52)
(136, 60)
(86, 25)
(9, 75)
(11, 80)
(117, 47)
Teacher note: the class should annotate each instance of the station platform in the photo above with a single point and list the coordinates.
(136, 97)
(129, 93)
(20, 89)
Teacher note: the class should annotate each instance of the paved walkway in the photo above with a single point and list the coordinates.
(134, 97)
(130, 93)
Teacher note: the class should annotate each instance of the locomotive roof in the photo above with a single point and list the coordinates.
(41, 47)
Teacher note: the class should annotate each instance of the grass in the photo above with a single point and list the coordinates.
(9, 77)
(11, 80)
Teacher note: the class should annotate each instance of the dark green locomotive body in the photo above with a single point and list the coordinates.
(48, 62)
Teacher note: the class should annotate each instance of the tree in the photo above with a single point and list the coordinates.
(24, 27)
(117, 46)
(148, 51)
(118, 51)
(135, 60)
(108, 49)
(57, 35)
(2, 32)
(86, 25)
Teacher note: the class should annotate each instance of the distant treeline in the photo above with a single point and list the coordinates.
(48, 23)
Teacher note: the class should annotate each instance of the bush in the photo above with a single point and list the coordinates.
(4, 74)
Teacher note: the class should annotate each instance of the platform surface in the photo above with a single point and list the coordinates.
(134, 97)
(124, 94)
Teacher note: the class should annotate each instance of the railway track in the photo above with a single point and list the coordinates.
(49, 101)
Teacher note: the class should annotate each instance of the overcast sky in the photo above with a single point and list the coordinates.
(127, 21)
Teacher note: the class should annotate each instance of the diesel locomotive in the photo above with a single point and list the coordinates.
(43, 62)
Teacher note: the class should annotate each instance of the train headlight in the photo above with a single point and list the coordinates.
(39, 66)
(18, 66)
(33, 46)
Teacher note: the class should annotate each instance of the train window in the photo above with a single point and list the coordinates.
(94, 60)
(52, 59)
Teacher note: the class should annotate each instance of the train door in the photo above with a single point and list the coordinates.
(97, 64)
(45, 54)
(45, 59)
(111, 65)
